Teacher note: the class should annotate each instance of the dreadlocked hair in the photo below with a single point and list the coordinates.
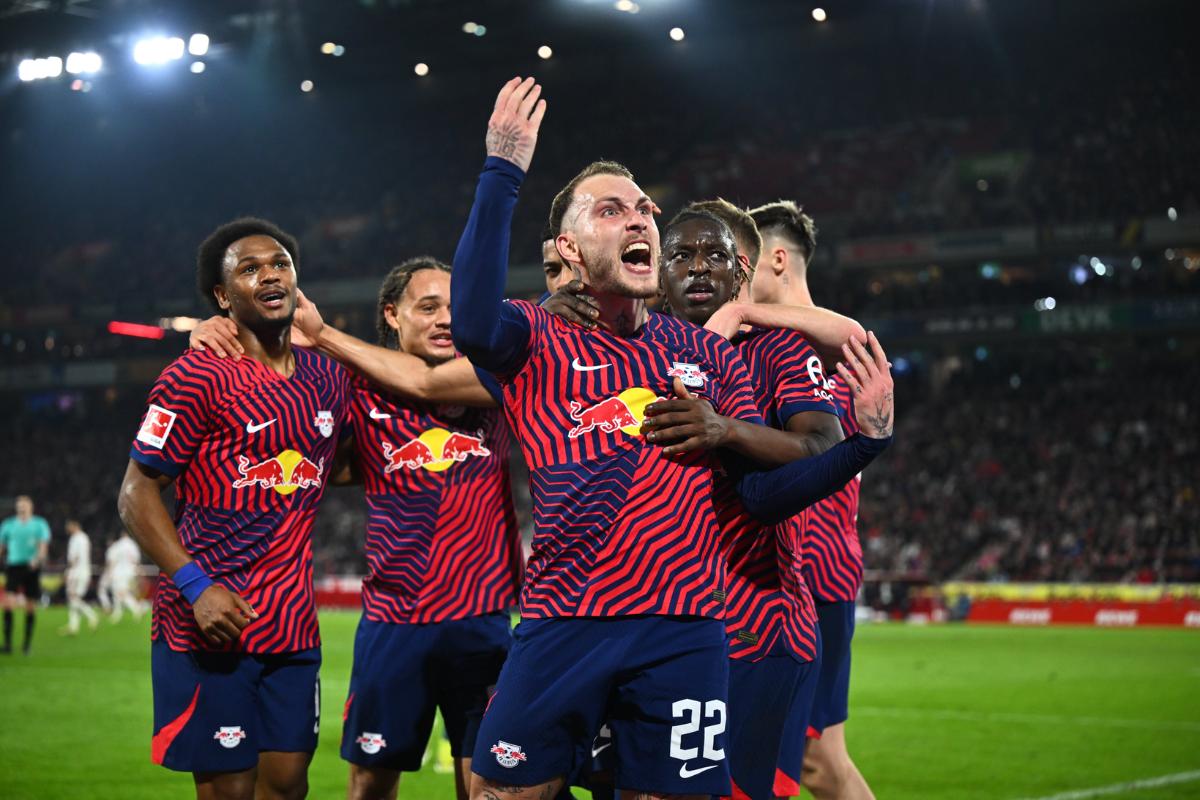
(391, 291)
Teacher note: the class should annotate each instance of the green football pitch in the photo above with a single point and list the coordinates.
(936, 712)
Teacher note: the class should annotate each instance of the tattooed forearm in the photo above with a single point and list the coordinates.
(502, 141)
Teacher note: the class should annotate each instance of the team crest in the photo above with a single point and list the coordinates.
(508, 755)
(324, 422)
(690, 374)
(371, 743)
(230, 736)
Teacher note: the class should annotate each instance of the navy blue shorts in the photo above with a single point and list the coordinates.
(833, 686)
(659, 683)
(766, 698)
(404, 672)
(215, 712)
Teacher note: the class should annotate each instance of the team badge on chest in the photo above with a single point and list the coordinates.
(690, 374)
(324, 422)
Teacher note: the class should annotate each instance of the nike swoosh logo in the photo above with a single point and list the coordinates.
(684, 772)
(377, 414)
(252, 428)
(575, 365)
(598, 750)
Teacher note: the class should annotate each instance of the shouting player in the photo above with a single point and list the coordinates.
(622, 605)
(248, 445)
(833, 560)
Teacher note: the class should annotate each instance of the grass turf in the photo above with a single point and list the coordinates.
(936, 712)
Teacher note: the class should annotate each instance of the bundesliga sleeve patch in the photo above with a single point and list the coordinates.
(157, 426)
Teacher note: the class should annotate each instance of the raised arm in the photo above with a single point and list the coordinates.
(825, 330)
(221, 614)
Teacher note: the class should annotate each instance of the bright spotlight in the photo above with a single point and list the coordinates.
(1172, 214)
(469, 27)
(53, 68)
(1050, 303)
(28, 70)
(328, 48)
(545, 52)
(819, 14)
(83, 62)
(198, 44)
(339, 51)
(197, 67)
(624, 5)
(481, 30)
(421, 69)
(306, 86)
(158, 50)
(677, 34)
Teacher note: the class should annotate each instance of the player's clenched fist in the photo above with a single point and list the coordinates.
(513, 128)
(222, 615)
(870, 378)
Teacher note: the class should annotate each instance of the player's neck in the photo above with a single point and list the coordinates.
(796, 292)
(623, 316)
(271, 347)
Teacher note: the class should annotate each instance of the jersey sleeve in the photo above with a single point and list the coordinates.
(735, 397)
(490, 384)
(43, 534)
(176, 419)
(797, 376)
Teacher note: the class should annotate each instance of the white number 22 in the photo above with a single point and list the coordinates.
(691, 709)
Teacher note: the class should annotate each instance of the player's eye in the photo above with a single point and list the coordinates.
(608, 212)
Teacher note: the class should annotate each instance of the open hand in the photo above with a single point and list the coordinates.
(574, 304)
(513, 128)
(869, 377)
(218, 335)
(685, 423)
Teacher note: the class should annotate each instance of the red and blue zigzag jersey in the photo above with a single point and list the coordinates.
(769, 605)
(833, 559)
(442, 537)
(251, 452)
(619, 528)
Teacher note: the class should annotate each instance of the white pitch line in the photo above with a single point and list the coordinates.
(1128, 786)
(1032, 719)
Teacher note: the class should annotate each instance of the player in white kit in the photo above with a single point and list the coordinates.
(122, 562)
(77, 579)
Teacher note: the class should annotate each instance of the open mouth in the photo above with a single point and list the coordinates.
(273, 298)
(441, 340)
(636, 258)
(700, 291)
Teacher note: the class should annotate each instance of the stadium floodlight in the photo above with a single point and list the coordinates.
(819, 14)
(339, 51)
(677, 34)
(198, 44)
(1172, 214)
(86, 63)
(421, 69)
(306, 86)
(469, 28)
(545, 52)
(27, 70)
(197, 67)
(158, 50)
(328, 48)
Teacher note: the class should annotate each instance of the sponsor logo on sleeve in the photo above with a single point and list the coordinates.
(156, 427)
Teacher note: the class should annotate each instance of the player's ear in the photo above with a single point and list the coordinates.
(568, 249)
(390, 316)
(779, 260)
(222, 297)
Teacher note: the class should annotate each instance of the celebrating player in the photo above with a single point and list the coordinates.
(625, 588)
(78, 577)
(833, 560)
(24, 542)
(249, 445)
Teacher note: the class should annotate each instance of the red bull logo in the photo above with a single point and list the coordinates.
(436, 450)
(285, 473)
(623, 413)
(690, 374)
(508, 755)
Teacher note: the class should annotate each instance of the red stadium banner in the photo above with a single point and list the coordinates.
(1179, 613)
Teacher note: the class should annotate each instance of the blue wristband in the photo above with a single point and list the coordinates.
(191, 581)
